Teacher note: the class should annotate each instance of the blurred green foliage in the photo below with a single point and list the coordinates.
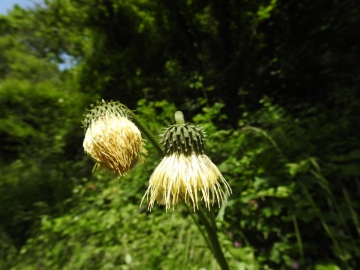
(274, 84)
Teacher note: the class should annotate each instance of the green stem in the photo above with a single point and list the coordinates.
(207, 220)
(199, 227)
(212, 234)
(298, 237)
(146, 132)
(211, 216)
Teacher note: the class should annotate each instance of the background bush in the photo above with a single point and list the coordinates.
(273, 83)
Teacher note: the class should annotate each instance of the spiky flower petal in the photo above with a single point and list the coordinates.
(184, 177)
(111, 139)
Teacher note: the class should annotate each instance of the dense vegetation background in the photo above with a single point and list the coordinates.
(274, 83)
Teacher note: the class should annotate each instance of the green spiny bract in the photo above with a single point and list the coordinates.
(104, 109)
(183, 139)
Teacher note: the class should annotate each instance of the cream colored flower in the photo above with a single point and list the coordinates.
(186, 172)
(111, 139)
(191, 178)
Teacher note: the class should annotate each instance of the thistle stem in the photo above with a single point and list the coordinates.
(211, 229)
(207, 220)
(146, 132)
(199, 228)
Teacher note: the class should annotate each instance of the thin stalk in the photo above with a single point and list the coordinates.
(211, 216)
(353, 213)
(146, 132)
(298, 237)
(328, 230)
(217, 251)
(199, 227)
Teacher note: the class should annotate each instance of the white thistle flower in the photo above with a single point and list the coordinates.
(185, 172)
(111, 139)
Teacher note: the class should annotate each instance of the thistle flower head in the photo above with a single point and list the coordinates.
(185, 172)
(111, 139)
